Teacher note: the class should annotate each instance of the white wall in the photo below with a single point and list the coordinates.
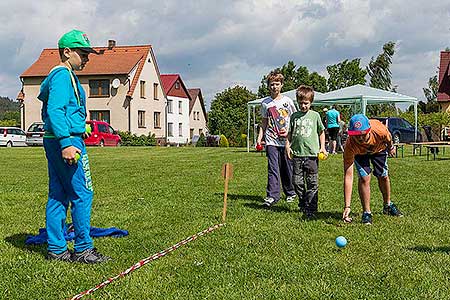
(175, 117)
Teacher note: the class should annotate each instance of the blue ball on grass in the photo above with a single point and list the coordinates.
(341, 241)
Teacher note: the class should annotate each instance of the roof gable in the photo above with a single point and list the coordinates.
(443, 94)
(118, 60)
(169, 84)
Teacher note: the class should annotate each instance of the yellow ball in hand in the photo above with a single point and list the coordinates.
(322, 156)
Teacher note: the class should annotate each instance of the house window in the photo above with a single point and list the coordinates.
(155, 91)
(157, 119)
(180, 107)
(170, 129)
(200, 131)
(177, 85)
(99, 115)
(141, 118)
(180, 129)
(191, 133)
(99, 88)
(142, 89)
(170, 106)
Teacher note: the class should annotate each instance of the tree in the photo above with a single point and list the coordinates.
(293, 78)
(228, 115)
(345, 73)
(381, 77)
(431, 95)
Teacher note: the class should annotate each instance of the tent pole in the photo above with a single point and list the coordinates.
(254, 125)
(415, 121)
(248, 128)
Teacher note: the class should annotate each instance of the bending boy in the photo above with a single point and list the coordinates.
(368, 142)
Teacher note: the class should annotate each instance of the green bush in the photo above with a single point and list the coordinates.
(223, 142)
(129, 139)
(201, 141)
(9, 123)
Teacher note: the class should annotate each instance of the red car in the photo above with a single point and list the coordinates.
(102, 134)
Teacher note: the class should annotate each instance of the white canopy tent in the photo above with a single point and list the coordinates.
(358, 96)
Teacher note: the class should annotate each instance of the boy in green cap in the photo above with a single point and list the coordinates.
(64, 115)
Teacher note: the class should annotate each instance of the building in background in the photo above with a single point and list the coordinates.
(197, 114)
(443, 96)
(123, 87)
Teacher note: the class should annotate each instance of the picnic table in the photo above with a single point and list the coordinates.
(432, 147)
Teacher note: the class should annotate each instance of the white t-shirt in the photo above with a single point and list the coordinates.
(278, 113)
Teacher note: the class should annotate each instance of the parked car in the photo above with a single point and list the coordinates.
(401, 130)
(12, 136)
(102, 134)
(35, 134)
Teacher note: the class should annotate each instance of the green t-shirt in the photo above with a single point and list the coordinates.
(304, 131)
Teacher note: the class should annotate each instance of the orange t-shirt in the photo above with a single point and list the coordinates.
(379, 140)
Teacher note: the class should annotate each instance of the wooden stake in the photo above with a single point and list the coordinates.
(227, 174)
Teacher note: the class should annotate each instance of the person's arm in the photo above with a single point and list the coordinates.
(322, 143)
(262, 129)
(288, 149)
(348, 186)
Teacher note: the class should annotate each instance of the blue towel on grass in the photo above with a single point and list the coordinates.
(69, 234)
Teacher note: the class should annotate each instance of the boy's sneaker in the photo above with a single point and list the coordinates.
(367, 218)
(291, 199)
(65, 256)
(392, 210)
(269, 201)
(90, 256)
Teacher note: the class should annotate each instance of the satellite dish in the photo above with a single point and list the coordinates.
(116, 83)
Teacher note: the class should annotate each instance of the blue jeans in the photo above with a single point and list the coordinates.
(278, 167)
(68, 184)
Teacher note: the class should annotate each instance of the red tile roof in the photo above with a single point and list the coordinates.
(115, 61)
(443, 94)
(168, 80)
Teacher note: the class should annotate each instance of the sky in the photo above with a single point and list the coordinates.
(216, 44)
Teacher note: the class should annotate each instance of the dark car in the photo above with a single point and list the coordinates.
(401, 130)
(102, 134)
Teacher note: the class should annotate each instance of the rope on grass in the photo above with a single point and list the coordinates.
(147, 260)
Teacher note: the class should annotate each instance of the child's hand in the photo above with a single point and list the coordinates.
(345, 215)
(68, 154)
(288, 152)
(324, 151)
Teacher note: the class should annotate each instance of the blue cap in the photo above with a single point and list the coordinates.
(359, 124)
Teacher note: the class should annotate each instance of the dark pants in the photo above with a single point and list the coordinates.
(278, 167)
(306, 182)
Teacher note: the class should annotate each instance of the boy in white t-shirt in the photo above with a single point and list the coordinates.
(276, 111)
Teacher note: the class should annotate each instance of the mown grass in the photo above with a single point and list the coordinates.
(162, 195)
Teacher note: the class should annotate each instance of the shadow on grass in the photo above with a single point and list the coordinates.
(18, 241)
(243, 197)
(427, 249)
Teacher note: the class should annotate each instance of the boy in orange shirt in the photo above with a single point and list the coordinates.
(369, 141)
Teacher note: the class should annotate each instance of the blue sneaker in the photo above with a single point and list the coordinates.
(367, 218)
(392, 210)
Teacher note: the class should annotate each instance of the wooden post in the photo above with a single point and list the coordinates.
(227, 174)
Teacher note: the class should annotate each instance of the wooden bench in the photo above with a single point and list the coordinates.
(435, 148)
(419, 145)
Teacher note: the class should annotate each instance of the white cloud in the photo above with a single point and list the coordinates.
(217, 44)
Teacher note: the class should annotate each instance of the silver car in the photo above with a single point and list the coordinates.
(12, 136)
(35, 134)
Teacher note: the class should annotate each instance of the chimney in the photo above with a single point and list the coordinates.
(111, 44)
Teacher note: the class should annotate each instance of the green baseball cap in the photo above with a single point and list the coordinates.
(76, 39)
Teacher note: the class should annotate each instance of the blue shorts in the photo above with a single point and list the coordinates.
(379, 163)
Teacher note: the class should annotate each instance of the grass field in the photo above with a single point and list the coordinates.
(163, 195)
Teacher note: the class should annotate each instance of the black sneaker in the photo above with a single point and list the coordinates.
(367, 218)
(392, 210)
(269, 201)
(90, 256)
(65, 256)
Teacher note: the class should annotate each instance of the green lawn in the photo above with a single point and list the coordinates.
(163, 195)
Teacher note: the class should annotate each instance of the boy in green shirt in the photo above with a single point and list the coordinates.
(306, 138)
